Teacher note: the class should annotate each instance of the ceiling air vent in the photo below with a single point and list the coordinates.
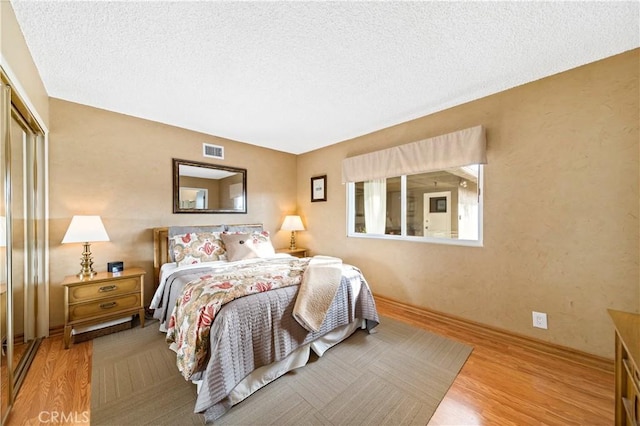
(213, 151)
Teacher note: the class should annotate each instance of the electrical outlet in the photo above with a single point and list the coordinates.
(539, 320)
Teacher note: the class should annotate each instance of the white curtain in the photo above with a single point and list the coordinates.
(468, 212)
(375, 206)
(443, 152)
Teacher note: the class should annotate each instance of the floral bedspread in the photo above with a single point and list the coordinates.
(189, 325)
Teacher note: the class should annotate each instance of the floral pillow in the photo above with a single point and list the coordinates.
(197, 247)
(242, 246)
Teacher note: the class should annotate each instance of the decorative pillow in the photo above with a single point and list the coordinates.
(197, 247)
(242, 246)
(188, 229)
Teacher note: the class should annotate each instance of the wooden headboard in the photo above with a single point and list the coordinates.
(161, 253)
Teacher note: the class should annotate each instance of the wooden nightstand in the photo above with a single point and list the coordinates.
(105, 297)
(298, 252)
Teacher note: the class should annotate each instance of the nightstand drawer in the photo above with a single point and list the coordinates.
(103, 307)
(103, 289)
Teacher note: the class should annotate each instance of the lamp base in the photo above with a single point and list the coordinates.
(86, 263)
(82, 274)
(292, 242)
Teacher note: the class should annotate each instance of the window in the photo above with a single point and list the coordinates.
(430, 190)
(442, 206)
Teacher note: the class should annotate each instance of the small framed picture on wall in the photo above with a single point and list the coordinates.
(319, 188)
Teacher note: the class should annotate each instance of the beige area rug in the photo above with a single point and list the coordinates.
(396, 376)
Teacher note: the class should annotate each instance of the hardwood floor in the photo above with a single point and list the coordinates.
(502, 383)
(57, 389)
(506, 385)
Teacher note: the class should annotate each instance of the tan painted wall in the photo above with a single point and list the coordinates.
(561, 203)
(19, 62)
(561, 210)
(120, 168)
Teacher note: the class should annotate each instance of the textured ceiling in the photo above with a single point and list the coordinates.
(296, 76)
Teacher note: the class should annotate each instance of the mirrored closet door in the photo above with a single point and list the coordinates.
(22, 242)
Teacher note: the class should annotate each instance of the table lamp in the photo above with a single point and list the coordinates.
(292, 223)
(85, 230)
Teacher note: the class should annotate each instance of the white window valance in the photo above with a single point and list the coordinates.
(443, 152)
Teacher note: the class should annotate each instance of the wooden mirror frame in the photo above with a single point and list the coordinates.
(215, 168)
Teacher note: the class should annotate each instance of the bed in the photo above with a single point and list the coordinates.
(239, 316)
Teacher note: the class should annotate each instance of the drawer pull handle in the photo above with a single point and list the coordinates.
(108, 305)
(108, 288)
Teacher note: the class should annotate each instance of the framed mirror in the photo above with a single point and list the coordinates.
(208, 188)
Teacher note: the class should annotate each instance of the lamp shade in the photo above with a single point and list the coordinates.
(292, 223)
(84, 229)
